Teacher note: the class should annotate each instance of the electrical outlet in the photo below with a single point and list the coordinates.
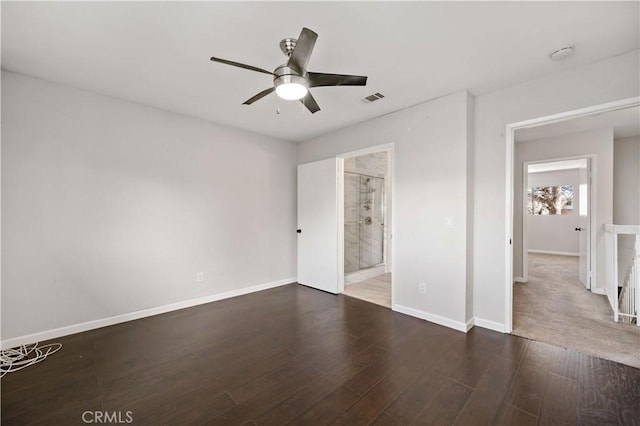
(422, 288)
(199, 277)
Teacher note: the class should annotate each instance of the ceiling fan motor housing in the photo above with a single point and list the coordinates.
(285, 74)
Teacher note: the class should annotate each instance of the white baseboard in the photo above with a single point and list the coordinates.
(104, 322)
(599, 291)
(469, 325)
(519, 280)
(456, 325)
(557, 253)
(491, 325)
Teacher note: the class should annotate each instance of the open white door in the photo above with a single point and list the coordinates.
(584, 208)
(318, 252)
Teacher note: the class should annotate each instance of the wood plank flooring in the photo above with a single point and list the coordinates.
(293, 355)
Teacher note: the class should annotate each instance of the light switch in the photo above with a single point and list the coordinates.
(448, 222)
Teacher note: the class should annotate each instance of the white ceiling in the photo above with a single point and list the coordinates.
(157, 53)
(551, 166)
(624, 122)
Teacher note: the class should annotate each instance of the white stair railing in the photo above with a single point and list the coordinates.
(624, 296)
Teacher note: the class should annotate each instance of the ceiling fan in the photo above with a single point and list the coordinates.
(292, 81)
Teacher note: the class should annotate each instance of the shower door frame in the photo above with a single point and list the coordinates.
(389, 246)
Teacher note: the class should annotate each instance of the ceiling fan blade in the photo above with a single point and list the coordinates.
(317, 79)
(239, 65)
(302, 52)
(310, 103)
(259, 96)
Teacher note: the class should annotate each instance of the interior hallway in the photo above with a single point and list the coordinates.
(375, 290)
(554, 307)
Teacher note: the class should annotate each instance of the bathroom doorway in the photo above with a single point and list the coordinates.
(367, 211)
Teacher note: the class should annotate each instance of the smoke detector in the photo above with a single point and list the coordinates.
(562, 53)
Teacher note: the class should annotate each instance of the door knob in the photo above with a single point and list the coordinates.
(299, 231)
(578, 229)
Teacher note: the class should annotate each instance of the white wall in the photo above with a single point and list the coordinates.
(470, 204)
(626, 196)
(555, 232)
(430, 183)
(109, 207)
(609, 80)
(626, 181)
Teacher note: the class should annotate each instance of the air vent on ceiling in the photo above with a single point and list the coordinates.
(372, 98)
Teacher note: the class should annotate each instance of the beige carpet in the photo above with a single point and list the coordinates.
(375, 290)
(554, 307)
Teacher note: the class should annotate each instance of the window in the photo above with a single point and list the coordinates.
(550, 200)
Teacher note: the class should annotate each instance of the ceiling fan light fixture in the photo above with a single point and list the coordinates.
(291, 87)
(291, 91)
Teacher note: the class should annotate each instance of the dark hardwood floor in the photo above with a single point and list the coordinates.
(293, 355)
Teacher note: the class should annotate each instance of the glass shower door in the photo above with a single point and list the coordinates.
(351, 222)
(363, 221)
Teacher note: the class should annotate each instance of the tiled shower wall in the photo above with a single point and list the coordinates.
(364, 211)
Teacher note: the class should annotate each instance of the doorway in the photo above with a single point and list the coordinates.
(556, 286)
(322, 251)
(549, 297)
(366, 217)
(556, 212)
(510, 132)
